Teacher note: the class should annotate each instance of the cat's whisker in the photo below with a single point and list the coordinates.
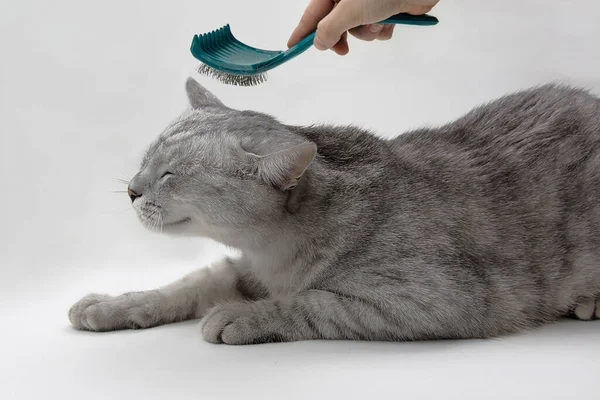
(151, 221)
(123, 181)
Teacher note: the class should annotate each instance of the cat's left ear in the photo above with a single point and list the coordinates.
(283, 169)
(199, 96)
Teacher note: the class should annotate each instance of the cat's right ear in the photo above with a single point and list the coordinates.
(283, 169)
(199, 96)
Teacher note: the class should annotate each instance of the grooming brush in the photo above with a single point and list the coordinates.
(225, 58)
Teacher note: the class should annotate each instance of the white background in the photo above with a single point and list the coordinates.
(86, 86)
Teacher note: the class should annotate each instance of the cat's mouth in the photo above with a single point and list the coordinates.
(178, 222)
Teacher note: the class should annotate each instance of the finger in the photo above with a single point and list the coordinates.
(418, 10)
(316, 10)
(386, 33)
(367, 32)
(346, 15)
(341, 47)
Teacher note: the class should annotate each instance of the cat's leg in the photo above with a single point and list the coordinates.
(588, 309)
(187, 298)
(314, 314)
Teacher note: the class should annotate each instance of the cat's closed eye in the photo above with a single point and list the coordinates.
(165, 174)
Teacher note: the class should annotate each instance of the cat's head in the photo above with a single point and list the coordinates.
(218, 172)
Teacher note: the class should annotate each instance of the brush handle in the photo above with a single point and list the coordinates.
(307, 42)
(409, 19)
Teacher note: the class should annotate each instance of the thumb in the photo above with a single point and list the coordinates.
(344, 16)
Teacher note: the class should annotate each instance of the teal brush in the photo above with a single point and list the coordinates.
(227, 59)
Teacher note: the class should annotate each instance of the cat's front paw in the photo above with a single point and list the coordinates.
(101, 312)
(236, 323)
(588, 309)
(83, 314)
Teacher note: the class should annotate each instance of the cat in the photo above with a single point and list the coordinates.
(482, 227)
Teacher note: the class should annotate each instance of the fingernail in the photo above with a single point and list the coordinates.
(375, 28)
(319, 45)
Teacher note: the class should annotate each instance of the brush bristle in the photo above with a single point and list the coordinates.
(232, 79)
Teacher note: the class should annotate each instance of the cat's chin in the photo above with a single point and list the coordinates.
(180, 227)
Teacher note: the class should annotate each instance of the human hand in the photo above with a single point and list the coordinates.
(333, 19)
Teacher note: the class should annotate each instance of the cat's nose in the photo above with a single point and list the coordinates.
(133, 195)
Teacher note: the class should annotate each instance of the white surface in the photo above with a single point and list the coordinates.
(84, 88)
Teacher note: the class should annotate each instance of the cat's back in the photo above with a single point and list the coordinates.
(545, 113)
(532, 119)
(524, 135)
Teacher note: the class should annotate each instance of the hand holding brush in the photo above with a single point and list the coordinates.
(324, 24)
(333, 19)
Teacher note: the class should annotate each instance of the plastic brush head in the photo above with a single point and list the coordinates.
(232, 62)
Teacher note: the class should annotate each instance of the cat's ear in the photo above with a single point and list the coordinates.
(283, 169)
(199, 96)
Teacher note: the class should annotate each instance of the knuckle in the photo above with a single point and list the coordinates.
(325, 32)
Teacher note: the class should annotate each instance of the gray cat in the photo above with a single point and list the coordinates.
(482, 227)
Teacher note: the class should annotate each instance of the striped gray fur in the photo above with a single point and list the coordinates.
(484, 226)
